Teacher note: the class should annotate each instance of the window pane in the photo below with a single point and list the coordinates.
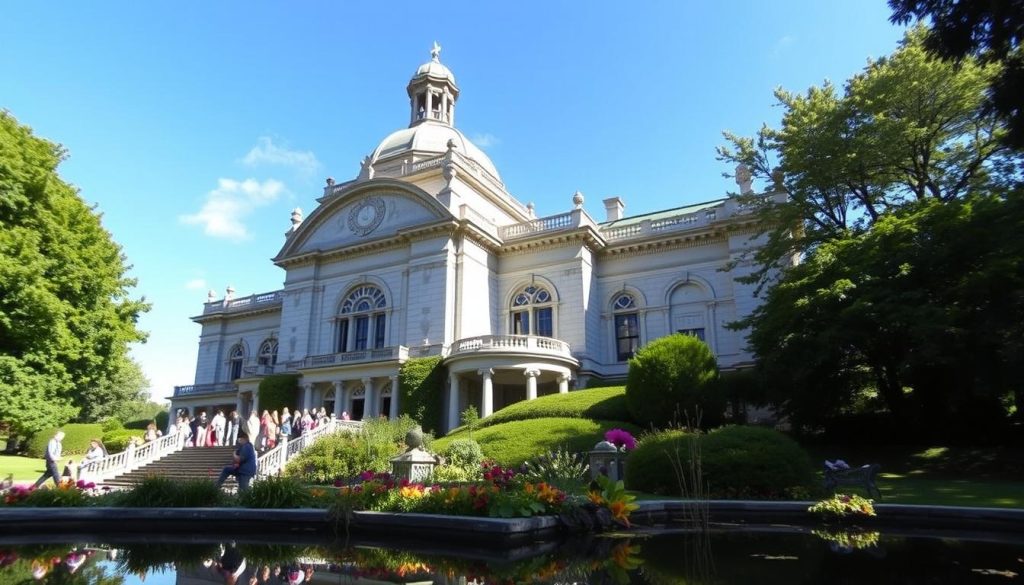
(379, 328)
(545, 327)
(362, 327)
(236, 369)
(627, 336)
(521, 323)
(343, 336)
(697, 332)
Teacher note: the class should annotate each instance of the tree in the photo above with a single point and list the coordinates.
(909, 128)
(904, 204)
(991, 31)
(66, 317)
(671, 378)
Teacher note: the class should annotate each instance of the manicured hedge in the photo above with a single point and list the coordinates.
(278, 391)
(76, 439)
(117, 440)
(421, 392)
(515, 442)
(597, 403)
(737, 461)
(672, 378)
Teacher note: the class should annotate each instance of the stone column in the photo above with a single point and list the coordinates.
(394, 398)
(369, 408)
(487, 405)
(453, 400)
(531, 383)
(307, 396)
(339, 397)
(563, 384)
(256, 402)
(238, 404)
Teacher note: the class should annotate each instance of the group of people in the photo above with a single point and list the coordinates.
(265, 431)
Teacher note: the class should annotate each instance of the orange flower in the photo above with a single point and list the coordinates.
(595, 498)
(528, 488)
(620, 511)
(411, 491)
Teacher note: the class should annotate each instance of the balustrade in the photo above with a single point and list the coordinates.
(523, 343)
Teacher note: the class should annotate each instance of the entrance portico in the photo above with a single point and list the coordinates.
(491, 372)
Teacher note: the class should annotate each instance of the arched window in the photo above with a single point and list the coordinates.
(627, 326)
(237, 357)
(688, 310)
(268, 353)
(533, 312)
(363, 320)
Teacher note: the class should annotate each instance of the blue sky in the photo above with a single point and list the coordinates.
(196, 127)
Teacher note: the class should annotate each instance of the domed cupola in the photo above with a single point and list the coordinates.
(432, 92)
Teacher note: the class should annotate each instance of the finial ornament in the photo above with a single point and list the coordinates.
(744, 178)
(577, 200)
(435, 53)
(211, 296)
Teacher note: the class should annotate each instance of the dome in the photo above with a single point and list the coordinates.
(436, 69)
(430, 138)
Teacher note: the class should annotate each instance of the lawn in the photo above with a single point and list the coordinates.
(23, 468)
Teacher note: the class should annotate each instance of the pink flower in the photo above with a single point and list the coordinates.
(621, 439)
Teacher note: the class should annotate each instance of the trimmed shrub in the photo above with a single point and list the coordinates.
(117, 440)
(516, 442)
(76, 439)
(597, 403)
(464, 453)
(421, 392)
(674, 377)
(162, 419)
(278, 391)
(738, 462)
(111, 424)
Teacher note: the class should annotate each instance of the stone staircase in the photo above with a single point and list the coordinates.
(189, 463)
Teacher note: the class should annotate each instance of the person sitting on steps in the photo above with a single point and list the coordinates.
(243, 466)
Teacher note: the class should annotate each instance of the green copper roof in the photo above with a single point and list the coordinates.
(666, 213)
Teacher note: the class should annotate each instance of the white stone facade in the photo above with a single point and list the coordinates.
(426, 253)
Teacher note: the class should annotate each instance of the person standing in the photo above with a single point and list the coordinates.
(286, 423)
(252, 425)
(234, 422)
(53, 452)
(218, 428)
(243, 466)
(201, 429)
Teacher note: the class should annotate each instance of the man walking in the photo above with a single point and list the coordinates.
(53, 451)
(244, 465)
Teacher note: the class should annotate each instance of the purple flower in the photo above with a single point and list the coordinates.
(621, 439)
(366, 476)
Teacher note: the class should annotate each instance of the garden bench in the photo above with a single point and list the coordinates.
(863, 476)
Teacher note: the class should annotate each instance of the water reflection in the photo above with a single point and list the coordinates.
(769, 556)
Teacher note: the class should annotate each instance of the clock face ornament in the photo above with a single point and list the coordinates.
(366, 216)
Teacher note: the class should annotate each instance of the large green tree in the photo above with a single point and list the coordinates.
(66, 314)
(903, 203)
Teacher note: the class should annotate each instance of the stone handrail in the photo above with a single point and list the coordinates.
(516, 343)
(269, 298)
(649, 227)
(131, 458)
(273, 461)
(203, 388)
(358, 356)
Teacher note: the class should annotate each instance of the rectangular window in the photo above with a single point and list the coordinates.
(521, 323)
(362, 331)
(236, 369)
(379, 327)
(342, 336)
(627, 336)
(545, 326)
(697, 332)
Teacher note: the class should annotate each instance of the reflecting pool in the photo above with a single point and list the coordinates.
(664, 556)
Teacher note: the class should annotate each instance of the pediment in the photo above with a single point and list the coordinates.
(368, 211)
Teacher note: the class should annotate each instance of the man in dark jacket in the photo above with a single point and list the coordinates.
(244, 465)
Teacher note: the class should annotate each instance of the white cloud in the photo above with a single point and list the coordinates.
(196, 284)
(267, 153)
(485, 140)
(226, 206)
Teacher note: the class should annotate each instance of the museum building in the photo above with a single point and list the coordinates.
(425, 253)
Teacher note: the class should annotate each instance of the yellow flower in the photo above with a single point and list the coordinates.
(595, 498)
(411, 491)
